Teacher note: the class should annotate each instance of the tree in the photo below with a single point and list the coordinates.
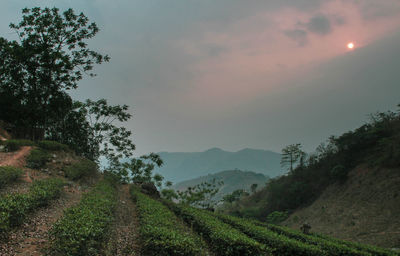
(200, 195)
(234, 196)
(50, 58)
(291, 154)
(253, 187)
(89, 128)
(139, 170)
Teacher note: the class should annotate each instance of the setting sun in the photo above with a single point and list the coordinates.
(350, 45)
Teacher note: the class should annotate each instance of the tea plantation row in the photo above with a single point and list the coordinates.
(14, 208)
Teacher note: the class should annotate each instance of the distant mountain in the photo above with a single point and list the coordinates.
(181, 166)
(233, 180)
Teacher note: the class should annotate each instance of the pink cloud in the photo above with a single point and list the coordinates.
(259, 58)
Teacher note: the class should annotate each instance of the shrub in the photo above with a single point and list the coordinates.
(281, 245)
(331, 248)
(84, 227)
(37, 158)
(277, 217)
(161, 231)
(14, 208)
(9, 174)
(339, 173)
(52, 145)
(14, 145)
(83, 168)
(223, 238)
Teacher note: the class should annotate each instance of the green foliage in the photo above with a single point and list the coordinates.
(9, 174)
(81, 169)
(50, 58)
(52, 145)
(376, 143)
(277, 217)
(14, 145)
(169, 194)
(201, 195)
(253, 188)
(162, 232)
(83, 228)
(139, 170)
(37, 158)
(281, 245)
(223, 239)
(291, 154)
(330, 245)
(234, 196)
(339, 173)
(89, 129)
(14, 208)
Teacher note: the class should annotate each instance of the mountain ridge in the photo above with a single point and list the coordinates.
(180, 166)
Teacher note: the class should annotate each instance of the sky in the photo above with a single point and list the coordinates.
(239, 74)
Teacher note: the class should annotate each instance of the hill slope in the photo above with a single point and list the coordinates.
(181, 166)
(233, 180)
(366, 208)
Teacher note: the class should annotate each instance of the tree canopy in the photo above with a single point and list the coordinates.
(49, 58)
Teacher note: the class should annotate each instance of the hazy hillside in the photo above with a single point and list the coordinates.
(366, 208)
(180, 166)
(233, 180)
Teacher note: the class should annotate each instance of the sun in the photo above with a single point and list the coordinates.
(350, 45)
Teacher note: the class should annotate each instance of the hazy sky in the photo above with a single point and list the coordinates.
(234, 74)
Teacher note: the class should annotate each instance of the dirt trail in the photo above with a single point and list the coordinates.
(124, 238)
(16, 159)
(32, 237)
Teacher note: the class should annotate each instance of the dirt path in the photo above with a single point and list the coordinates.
(124, 239)
(16, 159)
(32, 237)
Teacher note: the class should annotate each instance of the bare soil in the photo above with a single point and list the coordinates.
(16, 159)
(124, 237)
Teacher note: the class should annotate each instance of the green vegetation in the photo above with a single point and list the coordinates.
(37, 158)
(291, 155)
(200, 195)
(277, 217)
(49, 58)
(14, 208)
(52, 145)
(84, 227)
(162, 232)
(332, 245)
(138, 170)
(376, 143)
(81, 169)
(14, 145)
(9, 174)
(281, 245)
(223, 239)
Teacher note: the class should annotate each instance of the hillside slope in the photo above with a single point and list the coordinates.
(366, 208)
(179, 166)
(233, 180)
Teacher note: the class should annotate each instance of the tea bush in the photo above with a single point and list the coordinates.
(52, 145)
(83, 228)
(83, 168)
(14, 208)
(37, 158)
(161, 231)
(223, 238)
(9, 174)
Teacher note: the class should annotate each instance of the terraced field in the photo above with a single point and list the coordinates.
(58, 215)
